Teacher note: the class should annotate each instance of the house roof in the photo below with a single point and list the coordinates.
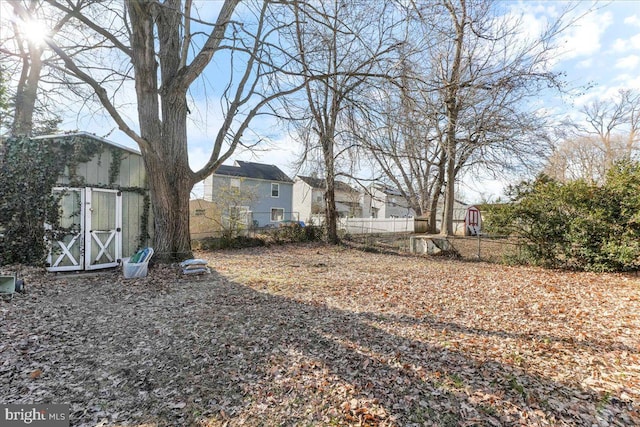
(388, 190)
(321, 184)
(253, 170)
(395, 192)
(87, 135)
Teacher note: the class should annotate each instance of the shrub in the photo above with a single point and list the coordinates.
(576, 224)
(289, 234)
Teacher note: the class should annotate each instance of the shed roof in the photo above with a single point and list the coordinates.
(254, 170)
(321, 184)
(87, 135)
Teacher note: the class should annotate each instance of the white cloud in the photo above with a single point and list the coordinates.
(587, 63)
(632, 20)
(627, 81)
(628, 62)
(625, 45)
(584, 38)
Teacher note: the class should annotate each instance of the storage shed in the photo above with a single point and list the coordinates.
(473, 221)
(104, 205)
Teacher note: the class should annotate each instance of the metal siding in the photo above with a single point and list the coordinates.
(132, 174)
(125, 175)
(136, 173)
(132, 207)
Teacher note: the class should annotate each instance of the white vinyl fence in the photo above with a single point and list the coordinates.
(376, 225)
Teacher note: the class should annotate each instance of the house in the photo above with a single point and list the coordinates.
(309, 198)
(255, 194)
(103, 196)
(381, 201)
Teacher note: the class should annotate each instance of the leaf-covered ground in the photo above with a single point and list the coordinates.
(316, 335)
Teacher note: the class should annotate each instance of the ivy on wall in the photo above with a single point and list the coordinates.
(30, 169)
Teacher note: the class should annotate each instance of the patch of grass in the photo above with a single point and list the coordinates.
(517, 358)
(456, 381)
(421, 415)
(516, 386)
(449, 420)
(604, 400)
(489, 410)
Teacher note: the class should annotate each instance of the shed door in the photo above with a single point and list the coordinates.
(103, 228)
(473, 221)
(67, 246)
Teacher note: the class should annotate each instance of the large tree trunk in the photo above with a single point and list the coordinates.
(450, 191)
(331, 213)
(166, 156)
(435, 197)
(170, 202)
(452, 106)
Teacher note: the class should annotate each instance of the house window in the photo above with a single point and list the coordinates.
(235, 183)
(277, 214)
(275, 190)
(238, 211)
(200, 212)
(319, 199)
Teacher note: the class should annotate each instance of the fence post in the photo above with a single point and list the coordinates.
(478, 233)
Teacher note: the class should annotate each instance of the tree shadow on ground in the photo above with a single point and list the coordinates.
(216, 352)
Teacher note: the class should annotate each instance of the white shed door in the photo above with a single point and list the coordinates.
(103, 228)
(66, 250)
(88, 235)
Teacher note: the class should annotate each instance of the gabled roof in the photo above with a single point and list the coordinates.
(321, 184)
(253, 170)
(388, 190)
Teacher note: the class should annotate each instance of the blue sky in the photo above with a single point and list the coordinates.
(599, 54)
(601, 51)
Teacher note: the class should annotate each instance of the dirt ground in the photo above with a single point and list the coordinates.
(316, 335)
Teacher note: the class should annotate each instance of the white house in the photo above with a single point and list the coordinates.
(385, 202)
(309, 198)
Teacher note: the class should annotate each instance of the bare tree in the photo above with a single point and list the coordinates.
(468, 74)
(167, 46)
(606, 130)
(489, 71)
(232, 203)
(615, 123)
(577, 158)
(342, 46)
(25, 56)
(403, 136)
